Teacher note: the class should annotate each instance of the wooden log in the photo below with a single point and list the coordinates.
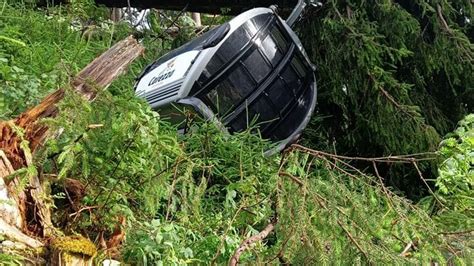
(27, 128)
(64, 258)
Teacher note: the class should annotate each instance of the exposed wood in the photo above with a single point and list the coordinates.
(32, 203)
(234, 260)
(231, 7)
(407, 249)
(9, 210)
(14, 234)
(98, 74)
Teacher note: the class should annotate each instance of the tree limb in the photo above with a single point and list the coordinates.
(352, 239)
(15, 234)
(234, 260)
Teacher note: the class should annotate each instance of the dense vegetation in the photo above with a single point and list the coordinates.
(394, 78)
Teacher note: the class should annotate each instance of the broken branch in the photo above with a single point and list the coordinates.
(234, 260)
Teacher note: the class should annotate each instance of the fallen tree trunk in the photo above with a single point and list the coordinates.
(28, 210)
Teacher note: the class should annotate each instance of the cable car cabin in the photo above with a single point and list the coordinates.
(252, 68)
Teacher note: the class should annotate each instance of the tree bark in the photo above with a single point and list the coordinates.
(32, 204)
(234, 260)
(9, 210)
(10, 216)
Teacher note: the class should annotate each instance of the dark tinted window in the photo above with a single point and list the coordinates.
(279, 94)
(196, 43)
(232, 91)
(297, 63)
(263, 69)
(291, 78)
(178, 114)
(271, 51)
(279, 39)
(235, 42)
(263, 111)
(293, 117)
(240, 123)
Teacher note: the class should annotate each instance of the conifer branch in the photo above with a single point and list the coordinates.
(234, 260)
(352, 239)
(173, 185)
(439, 12)
(292, 177)
(225, 234)
(283, 246)
(384, 189)
(426, 184)
(408, 158)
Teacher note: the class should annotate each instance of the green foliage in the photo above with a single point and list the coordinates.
(40, 51)
(393, 77)
(330, 215)
(11, 259)
(456, 178)
(153, 243)
(456, 172)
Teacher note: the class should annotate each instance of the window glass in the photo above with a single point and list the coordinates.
(214, 65)
(279, 39)
(258, 22)
(232, 91)
(271, 51)
(297, 63)
(240, 122)
(291, 78)
(177, 114)
(263, 111)
(257, 66)
(234, 43)
(279, 94)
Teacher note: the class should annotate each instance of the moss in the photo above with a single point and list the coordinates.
(74, 244)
